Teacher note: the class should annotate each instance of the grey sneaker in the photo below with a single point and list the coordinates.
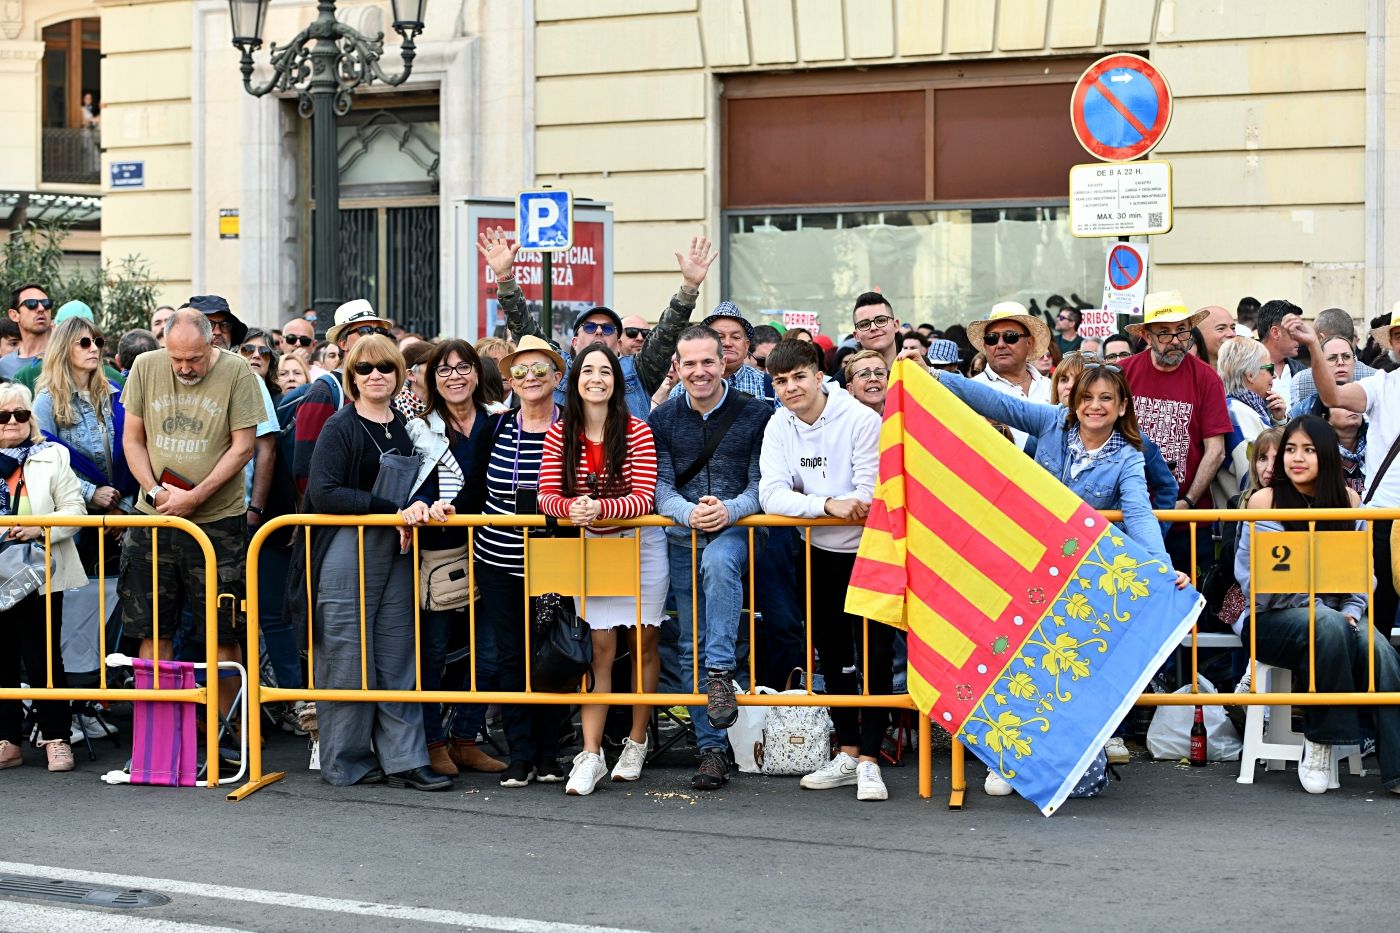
(721, 708)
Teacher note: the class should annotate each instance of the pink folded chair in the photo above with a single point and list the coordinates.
(163, 735)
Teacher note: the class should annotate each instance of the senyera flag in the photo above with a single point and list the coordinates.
(1034, 623)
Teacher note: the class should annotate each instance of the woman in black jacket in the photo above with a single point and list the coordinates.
(352, 473)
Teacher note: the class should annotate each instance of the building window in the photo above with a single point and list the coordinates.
(944, 187)
(72, 100)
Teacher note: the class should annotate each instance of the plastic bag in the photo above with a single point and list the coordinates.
(746, 735)
(1169, 735)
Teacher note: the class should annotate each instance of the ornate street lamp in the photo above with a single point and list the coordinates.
(324, 64)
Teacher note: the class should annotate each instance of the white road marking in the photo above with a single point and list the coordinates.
(304, 902)
(36, 918)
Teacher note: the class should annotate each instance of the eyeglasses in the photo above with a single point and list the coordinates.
(87, 342)
(298, 341)
(21, 416)
(225, 325)
(369, 329)
(32, 303)
(1267, 368)
(461, 369)
(252, 349)
(599, 327)
(870, 373)
(1012, 337)
(538, 370)
(1180, 336)
(1120, 355)
(634, 332)
(1063, 317)
(879, 321)
(364, 369)
(1336, 358)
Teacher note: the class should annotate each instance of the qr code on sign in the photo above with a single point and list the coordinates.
(1154, 218)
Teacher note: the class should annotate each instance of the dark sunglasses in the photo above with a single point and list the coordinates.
(1012, 337)
(21, 416)
(598, 327)
(1268, 368)
(86, 342)
(251, 349)
(32, 303)
(538, 370)
(297, 341)
(761, 362)
(1095, 364)
(370, 329)
(225, 325)
(364, 369)
(634, 332)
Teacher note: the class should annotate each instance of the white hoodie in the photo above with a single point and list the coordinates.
(803, 464)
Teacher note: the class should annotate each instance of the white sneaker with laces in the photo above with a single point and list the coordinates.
(588, 772)
(838, 772)
(1315, 767)
(1117, 751)
(996, 786)
(629, 763)
(869, 784)
(92, 728)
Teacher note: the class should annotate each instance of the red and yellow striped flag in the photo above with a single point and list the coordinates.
(1010, 588)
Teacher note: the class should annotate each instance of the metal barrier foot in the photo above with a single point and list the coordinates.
(254, 786)
(955, 799)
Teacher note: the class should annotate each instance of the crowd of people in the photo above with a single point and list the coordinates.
(702, 422)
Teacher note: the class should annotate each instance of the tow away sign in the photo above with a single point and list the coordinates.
(1120, 198)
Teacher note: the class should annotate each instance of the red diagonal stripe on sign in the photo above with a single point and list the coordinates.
(1118, 105)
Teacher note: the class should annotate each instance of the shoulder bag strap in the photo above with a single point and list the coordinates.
(1385, 465)
(721, 428)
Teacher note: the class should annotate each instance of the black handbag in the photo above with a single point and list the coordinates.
(561, 645)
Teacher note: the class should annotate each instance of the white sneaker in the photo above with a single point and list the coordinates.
(1315, 767)
(838, 772)
(869, 784)
(996, 786)
(588, 772)
(629, 763)
(1117, 751)
(92, 728)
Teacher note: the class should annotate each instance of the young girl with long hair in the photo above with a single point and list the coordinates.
(1308, 475)
(599, 464)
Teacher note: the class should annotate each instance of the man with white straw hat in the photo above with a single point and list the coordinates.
(1378, 398)
(1180, 405)
(1011, 337)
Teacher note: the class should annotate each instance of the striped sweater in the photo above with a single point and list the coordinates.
(634, 496)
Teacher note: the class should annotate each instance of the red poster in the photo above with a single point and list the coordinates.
(577, 273)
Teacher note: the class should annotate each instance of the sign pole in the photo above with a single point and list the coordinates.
(547, 313)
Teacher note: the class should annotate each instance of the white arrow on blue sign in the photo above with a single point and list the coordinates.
(544, 219)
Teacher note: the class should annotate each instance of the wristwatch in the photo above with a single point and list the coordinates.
(151, 494)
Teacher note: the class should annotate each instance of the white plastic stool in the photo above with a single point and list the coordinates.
(1275, 742)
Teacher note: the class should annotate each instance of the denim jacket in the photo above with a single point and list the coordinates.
(86, 435)
(1117, 481)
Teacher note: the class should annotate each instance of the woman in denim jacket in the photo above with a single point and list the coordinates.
(1092, 446)
(76, 406)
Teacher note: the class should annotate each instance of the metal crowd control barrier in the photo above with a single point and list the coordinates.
(103, 692)
(1313, 562)
(604, 567)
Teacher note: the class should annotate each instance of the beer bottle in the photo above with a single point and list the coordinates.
(1198, 739)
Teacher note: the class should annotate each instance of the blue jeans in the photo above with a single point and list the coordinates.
(273, 624)
(441, 629)
(722, 564)
(781, 634)
(1342, 667)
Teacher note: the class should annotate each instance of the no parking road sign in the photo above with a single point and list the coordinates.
(545, 219)
(1124, 267)
(1120, 107)
(1125, 279)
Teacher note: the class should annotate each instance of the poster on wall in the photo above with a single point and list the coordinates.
(581, 275)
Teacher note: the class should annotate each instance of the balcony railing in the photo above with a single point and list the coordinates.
(72, 156)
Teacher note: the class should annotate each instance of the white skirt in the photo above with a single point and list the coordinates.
(606, 612)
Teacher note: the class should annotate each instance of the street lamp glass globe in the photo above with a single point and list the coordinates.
(408, 15)
(248, 17)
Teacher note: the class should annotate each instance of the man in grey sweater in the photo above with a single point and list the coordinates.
(707, 474)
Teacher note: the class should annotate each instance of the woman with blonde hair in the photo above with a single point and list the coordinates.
(1245, 368)
(76, 406)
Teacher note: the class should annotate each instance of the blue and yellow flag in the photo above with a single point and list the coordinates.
(1033, 623)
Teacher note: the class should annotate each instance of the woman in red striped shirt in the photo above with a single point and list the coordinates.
(600, 464)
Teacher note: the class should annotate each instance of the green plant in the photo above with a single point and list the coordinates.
(122, 295)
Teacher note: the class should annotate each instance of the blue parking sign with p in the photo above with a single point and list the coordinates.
(544, 219)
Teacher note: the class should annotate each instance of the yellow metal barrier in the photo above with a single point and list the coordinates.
(604, 568)
(103, 692)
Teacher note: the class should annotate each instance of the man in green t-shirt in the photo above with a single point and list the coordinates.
(191, 410)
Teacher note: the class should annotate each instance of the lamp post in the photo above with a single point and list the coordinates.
(323, 63)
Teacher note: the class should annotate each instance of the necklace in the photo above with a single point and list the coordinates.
(382, 424)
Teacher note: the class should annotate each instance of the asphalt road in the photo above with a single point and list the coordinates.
(1168, 847)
